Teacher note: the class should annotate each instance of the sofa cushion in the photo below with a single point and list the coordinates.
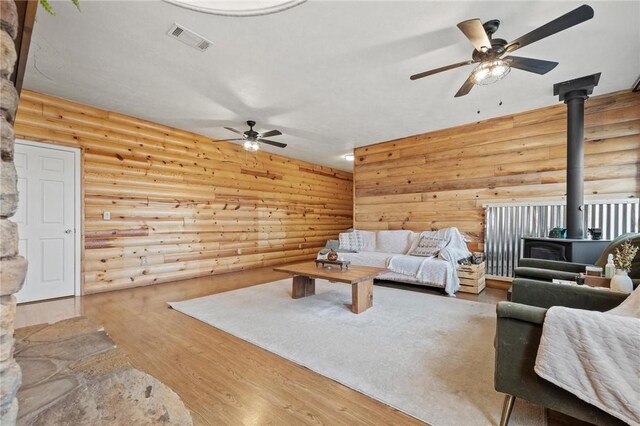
(397, 242)
(351, 241)
(428, 246)
(368, 240)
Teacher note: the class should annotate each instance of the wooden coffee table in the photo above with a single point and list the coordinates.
(360, 278)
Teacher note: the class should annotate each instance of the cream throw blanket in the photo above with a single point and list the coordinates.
(438, 270)
(426, 270)
(595, 356)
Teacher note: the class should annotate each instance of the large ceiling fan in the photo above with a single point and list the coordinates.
(489, 51)
(253, 139)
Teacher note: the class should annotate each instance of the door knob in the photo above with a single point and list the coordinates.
(67, 231)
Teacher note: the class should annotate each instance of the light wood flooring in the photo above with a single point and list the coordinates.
(221, 379)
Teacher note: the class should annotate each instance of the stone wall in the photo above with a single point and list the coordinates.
(12, 267)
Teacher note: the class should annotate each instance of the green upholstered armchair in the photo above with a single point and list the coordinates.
(519, 328)
(547, 270)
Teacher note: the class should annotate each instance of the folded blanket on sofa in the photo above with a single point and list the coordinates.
(440, 269)
(595, 356)
(456, 248)
(407, 265)
(426, 270)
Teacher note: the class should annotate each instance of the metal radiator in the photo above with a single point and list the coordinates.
(505, 224)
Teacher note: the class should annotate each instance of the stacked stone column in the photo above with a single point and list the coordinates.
(13, 268)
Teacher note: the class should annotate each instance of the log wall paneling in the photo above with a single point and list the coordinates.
(186, 205)
(443, 178)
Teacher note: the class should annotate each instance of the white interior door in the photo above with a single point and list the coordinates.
(46, 218)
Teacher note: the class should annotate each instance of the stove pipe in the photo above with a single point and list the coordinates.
(574, 93)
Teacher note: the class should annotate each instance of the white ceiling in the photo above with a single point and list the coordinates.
(331, 75)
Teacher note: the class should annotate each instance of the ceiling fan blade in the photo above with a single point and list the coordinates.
(466, 87)
(271, 133)
(227, 140)
(268, 142)
(568, 20)
(537, 66)
(437, 70)
(476, 34)
(234, 130)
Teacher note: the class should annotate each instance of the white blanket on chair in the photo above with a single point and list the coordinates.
(595, 356)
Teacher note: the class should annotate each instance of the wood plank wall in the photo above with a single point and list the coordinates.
(443, 178)
(184, 202)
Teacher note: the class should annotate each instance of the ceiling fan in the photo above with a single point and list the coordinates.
(488, 51)
(253, 139)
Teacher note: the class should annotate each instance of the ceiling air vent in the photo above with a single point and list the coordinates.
(188, 37)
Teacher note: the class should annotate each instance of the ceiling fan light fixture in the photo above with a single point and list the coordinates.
(488, 72)
(251, 146)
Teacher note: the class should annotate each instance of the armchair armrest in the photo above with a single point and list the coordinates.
(518, 311)
(544, 274)
(332, 244)
(518, 332)
(545, 295)
(553, 265)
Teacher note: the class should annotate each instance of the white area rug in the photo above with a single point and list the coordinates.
(429, 356)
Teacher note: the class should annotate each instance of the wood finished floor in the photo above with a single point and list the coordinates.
(221, 379)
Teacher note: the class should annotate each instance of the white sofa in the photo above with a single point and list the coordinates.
(389, 249)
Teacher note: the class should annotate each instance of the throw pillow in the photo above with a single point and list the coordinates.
(350, 241)
(428, 246)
